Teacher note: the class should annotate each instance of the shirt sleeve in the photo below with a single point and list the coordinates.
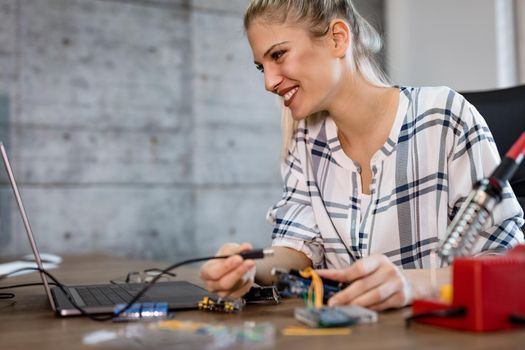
(474, 156)
(293, 217)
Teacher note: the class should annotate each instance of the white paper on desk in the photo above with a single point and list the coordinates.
(16, 265)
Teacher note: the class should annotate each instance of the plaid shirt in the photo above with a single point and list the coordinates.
(439, 146)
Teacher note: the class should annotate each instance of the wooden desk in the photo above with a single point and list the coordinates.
(30, 324)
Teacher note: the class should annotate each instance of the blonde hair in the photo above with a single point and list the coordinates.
(365, 43)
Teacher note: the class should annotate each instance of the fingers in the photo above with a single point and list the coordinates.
(243, 289)
(215, 269)
(380, 295)
(358, 270)
(231, 275)
(235, 282)
(336, 275)
(395, 301)
(231, 278)
(376, 283)
(233, 248)
(361, 287)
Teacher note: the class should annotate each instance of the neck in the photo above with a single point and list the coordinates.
(363, 112)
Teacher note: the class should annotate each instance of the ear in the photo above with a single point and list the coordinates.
(340, 36)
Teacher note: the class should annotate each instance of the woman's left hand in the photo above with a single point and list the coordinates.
(376, 283)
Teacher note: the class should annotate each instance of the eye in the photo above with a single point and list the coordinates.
(278, 54)
(260, 68)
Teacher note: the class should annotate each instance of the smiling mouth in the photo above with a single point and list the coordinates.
(288, 97)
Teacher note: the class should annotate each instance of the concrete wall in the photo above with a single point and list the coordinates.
(136, 127)
(468, 44)
(237, 132)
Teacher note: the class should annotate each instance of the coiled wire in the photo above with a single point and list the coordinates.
(463, 231)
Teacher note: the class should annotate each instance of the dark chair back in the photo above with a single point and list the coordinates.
(504, 111)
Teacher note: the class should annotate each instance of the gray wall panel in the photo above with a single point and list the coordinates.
(236, 154)
(112, 106)
(104, 64)
(227, 87)
(100, 126)
(224, 6)
(80, 156)
(137, 222)
(442, 43)
(237, 125)
(237, 135)
(235, 215)
(8, 47)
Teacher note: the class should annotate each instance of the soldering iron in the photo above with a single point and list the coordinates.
(472, 215)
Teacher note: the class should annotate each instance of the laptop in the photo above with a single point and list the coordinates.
(102, 298)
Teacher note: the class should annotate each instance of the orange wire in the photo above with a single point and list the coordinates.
(316, 287)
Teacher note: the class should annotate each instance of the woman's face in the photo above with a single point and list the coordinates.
(302, 70)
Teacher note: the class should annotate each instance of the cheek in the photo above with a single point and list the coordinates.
(291, 72)
(329, 77)
(323, 79)
(332, 70)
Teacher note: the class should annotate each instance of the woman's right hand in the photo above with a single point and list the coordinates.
(232, 277)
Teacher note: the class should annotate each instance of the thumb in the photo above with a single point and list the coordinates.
(233, 248)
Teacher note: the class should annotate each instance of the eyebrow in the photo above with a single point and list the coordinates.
(270, 49)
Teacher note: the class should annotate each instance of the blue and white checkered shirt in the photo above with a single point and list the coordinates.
(438, 148)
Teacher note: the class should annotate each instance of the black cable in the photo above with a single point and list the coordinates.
(457, 312)
(252, 254)
(146, 271)
(7, 295)
(12, 295)
(517, 319)
(155, 269)
(63, 289)
(26, 285)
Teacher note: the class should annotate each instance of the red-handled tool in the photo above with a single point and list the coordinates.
(486, 194)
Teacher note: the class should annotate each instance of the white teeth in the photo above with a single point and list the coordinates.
(290, 93)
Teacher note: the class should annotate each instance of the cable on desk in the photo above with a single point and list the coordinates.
(26, 285)
(457, 312)
(12, 295)
(142, 280)
(252, 254)
(517, 319)
(63, 289)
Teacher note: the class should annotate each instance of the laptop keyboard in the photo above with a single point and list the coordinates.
(106, 295)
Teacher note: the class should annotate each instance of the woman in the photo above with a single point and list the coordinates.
(373, 173)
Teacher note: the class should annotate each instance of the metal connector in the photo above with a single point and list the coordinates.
(257, 254)
(268, 252)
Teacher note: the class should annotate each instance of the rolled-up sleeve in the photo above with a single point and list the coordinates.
(293, 218)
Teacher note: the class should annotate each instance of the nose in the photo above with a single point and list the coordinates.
(272, 79)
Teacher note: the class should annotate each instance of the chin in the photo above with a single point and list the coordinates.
(298, 115)
(298, 118)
